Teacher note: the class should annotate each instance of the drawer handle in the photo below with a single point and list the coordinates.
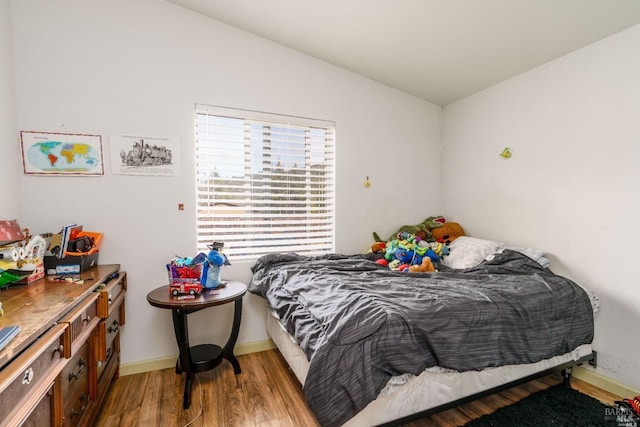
(28, 376)
(87, 319)
(115, 326)
(73, 375)
(58, 349)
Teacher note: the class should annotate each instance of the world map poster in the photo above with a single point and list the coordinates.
(52, 153)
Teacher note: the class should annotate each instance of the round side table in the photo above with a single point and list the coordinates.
(201, 357)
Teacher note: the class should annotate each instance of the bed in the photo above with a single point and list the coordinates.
(373, 346)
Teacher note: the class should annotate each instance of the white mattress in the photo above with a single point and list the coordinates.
(407, 394)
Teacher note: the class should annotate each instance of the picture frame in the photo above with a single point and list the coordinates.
(135, 154)
(61, 154)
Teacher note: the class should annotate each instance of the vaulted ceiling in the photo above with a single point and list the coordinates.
(437, 50)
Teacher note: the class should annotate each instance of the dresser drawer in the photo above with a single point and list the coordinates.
(81, 320)
(30, 375)
(109, 369)
(111, 295)
(108, 329)
(75, 374)
(76, 408)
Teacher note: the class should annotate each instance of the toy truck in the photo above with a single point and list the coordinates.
(182, 288)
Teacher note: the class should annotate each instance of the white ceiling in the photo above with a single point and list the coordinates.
(437, 50)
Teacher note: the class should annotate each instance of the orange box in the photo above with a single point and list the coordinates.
(97, 241)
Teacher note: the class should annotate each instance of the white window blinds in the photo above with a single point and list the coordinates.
(265, 182)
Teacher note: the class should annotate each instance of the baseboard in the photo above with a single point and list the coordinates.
(170, 361)
(605, 383)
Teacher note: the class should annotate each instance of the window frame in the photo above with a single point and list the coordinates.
(250, 232)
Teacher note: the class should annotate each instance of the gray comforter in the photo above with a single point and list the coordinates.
(360, 323)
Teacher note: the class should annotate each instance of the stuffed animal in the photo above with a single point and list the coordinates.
(409, 257)
(441, 249)
(378, 247)
(409, 245)
(448, 232)
(394, 265)
(422, 230)
(432, 256)
(211, 270)
(424, 267)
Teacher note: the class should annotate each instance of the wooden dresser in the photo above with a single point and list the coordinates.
(56, 371)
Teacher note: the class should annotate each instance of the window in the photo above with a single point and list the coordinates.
(265, 182)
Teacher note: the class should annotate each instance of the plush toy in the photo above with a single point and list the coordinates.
(391, 247)
(394, 265)
(432, 256)
(448, 232)
(211, 266)
(441, 249)
(404, 256)
(211, 270)
(424, 267)
(378, 247)
(422, 230)
(407, 248)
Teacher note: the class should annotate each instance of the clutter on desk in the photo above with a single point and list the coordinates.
(10, 232)
(25, 258)
(21, 255)
(72, 251)
(190, 275)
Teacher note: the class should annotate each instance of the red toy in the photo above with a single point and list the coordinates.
(184, 279)
(185, 288)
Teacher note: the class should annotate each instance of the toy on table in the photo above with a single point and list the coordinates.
(184, 276)
(212, 263)
(192, 275)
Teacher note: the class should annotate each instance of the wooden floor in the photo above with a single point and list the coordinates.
(266, 393)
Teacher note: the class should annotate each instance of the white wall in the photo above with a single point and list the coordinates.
(139, 67)
(570, 188)
(10, 169)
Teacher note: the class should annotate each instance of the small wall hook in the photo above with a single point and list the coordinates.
(506, 153)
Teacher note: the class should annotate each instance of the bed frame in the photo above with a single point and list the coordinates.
(433, 391)
(566, 373)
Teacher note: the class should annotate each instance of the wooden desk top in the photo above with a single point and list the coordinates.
(160, 297)
(38, 306)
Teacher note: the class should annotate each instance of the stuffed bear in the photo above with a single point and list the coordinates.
(426, 266)
(448, 232)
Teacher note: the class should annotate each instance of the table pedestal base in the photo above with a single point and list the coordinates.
(203, 357)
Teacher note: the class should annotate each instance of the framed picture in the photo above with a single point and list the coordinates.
(145, 155)
(53, 153)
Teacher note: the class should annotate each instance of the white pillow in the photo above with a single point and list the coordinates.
(466, 252)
